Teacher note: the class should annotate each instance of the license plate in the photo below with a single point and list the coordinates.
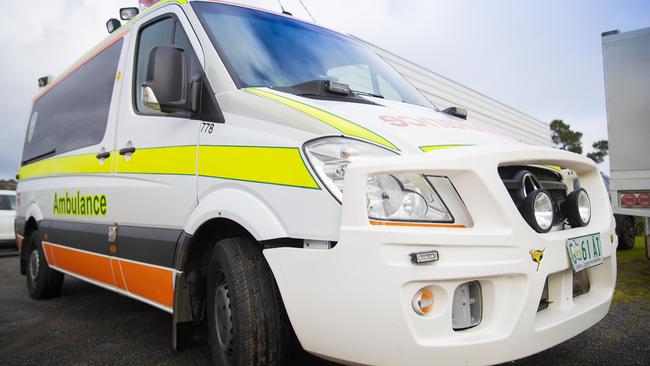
(585, 251)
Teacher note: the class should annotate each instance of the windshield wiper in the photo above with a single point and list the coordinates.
(357, 92)
(325, 89)
(319, 87)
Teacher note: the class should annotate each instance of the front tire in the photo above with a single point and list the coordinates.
(42, 281)
(247, 323)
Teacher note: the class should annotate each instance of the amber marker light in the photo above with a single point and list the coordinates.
(423, 301)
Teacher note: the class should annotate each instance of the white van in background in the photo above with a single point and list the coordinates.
(265, 178)
(7, 216)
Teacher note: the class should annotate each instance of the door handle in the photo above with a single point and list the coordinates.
(103, 155)
(127, 150)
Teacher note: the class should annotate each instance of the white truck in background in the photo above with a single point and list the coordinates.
(626, 64)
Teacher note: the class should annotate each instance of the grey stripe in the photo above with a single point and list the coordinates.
(141, 244)
(148, 245)
(88, 237)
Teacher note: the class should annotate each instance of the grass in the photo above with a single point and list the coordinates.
(633, 284)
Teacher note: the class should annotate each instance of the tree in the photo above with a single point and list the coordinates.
(565, 138)
(602, 149)
(8, 184)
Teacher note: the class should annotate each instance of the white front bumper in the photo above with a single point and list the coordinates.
(352, 303)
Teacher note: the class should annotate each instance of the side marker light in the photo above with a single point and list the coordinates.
(424, 257)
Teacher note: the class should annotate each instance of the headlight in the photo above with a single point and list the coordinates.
(405, 197)
(389, 197)
(330, 157)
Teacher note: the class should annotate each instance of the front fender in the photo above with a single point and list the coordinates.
(33, 211)
(240, 206)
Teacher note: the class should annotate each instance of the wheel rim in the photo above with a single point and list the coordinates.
(223, 317)
(34, 263)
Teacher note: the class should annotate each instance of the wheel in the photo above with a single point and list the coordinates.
(626, 231)
(247, 322)
(42, 281)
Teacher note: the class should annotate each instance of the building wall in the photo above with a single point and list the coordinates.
(481, 109)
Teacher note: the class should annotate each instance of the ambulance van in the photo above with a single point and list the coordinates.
(270, 180)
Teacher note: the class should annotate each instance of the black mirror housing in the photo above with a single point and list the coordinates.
(167, 78)
(456, 112)
(112, 25)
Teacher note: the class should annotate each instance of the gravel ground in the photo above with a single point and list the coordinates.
(92, 326)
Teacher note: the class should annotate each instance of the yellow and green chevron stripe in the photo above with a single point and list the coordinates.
(260, 164)
(343, 125)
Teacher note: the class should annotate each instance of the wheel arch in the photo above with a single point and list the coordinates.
(241, 206)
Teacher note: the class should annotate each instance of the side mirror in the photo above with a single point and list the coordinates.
(165, 87)
(45, 81)
(128, 13)
(456, 112)
(112, 25)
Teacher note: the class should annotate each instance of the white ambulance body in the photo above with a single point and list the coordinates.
(220, 163)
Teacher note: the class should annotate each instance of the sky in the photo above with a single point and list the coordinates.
(541, 57)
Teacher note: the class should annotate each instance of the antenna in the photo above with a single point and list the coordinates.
(282, 7)
(307, 10)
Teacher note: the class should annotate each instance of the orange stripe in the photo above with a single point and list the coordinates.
(48, 254)
(78, 65)
(117, 272)
(415, 224)
(85, 264)
(155, 284)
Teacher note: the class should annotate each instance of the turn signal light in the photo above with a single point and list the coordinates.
(423, 301)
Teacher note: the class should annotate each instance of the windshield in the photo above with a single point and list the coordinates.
(267, 50)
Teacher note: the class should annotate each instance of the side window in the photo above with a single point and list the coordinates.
(156, 34)
(169, 31)
(181, 40)
(5, 203)
(74, 112)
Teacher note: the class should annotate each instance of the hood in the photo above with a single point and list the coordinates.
(399, 126)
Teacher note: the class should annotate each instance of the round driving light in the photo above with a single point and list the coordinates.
(577, 208)
(538, 210)
(423, 301)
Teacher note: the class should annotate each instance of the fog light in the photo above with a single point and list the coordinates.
(538, 210)
(423, 301)
(577, 208)
(466, 310)
(581, 283)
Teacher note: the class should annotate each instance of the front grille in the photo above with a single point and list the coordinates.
(549, 179)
